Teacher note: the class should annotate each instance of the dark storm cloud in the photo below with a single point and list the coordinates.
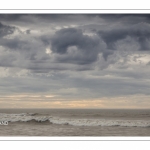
(12, 43)
(71, 37)
(19, 17)
(125, 18)
(59, 17)
(139, 32)
(15, 43)
(7, 17)
(84, 49)
(6, 30)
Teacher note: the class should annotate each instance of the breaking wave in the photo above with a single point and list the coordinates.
(29, 117)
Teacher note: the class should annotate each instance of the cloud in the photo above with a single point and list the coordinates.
(74, 47)
(6, 30)
(139, 32)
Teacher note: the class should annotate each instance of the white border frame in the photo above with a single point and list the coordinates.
(74, 11)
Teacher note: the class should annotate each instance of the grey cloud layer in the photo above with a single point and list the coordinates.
(95, 54)
(72, 44)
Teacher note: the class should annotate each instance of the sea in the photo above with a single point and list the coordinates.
(74, 122)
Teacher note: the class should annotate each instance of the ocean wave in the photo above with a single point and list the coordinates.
(101, 122)
(30, 117)
(23, 117)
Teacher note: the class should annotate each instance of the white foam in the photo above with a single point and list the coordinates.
(101, 122)
(25, 117)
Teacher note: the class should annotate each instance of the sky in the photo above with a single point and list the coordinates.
(75, 61)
